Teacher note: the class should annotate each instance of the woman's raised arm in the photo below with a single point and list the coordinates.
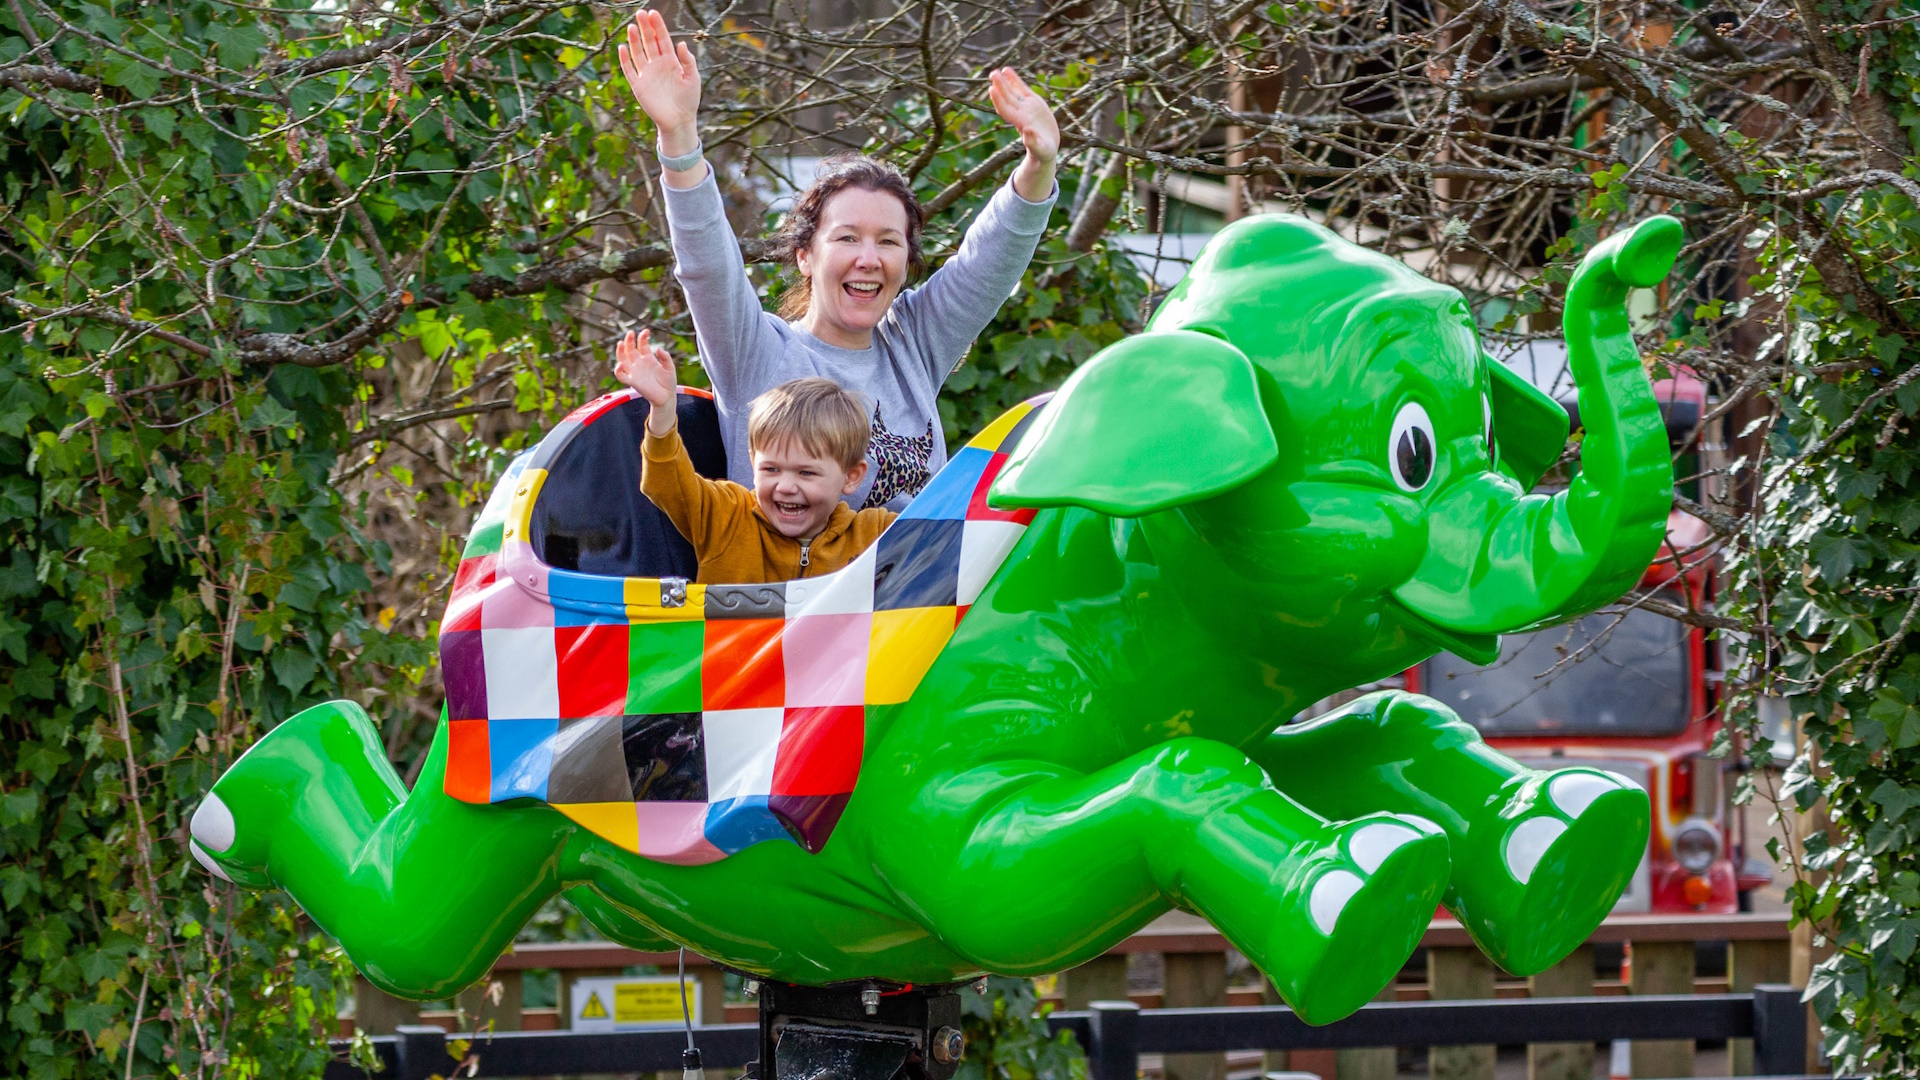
(1030, 115)
(728, 322)
(665, 80)
(945, 314)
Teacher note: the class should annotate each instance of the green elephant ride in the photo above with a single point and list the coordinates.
(1059, 701)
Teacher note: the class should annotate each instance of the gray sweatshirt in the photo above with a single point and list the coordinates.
(922, 338)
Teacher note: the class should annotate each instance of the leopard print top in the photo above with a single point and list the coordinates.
(899, 463)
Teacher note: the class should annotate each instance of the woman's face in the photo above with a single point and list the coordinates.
(857, 263)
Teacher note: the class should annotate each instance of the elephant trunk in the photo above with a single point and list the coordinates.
(1499, 561)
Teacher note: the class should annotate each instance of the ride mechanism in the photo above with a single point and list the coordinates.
(1052, 702)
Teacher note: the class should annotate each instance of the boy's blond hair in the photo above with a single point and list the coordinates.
(817, 413)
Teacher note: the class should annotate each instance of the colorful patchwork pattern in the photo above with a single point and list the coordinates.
(685, 722)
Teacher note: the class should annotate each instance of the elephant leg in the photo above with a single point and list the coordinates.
(1539, 858)
(1011, 868)
(422, 891)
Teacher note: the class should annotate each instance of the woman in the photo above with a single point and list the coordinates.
(853, 237)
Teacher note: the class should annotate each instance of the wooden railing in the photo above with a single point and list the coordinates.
(1194, 962)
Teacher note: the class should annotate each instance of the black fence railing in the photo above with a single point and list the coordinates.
(1116, 1033)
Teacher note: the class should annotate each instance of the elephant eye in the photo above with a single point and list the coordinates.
(1410, 448)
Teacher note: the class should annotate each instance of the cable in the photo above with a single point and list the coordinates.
(685, 1014)
(690, 1058)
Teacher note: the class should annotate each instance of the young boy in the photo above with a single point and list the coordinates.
(808, 438)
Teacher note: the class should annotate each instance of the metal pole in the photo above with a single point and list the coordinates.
(1115, 1053)
(1779, 1031)
(422, 1052)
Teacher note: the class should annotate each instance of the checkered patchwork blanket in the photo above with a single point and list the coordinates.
(685, 722)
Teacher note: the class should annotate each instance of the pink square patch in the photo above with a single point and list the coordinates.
(826, 657)
(506, 606)
(675, 832)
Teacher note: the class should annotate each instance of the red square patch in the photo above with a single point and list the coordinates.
(977, 508)
(474, 573)
(469, 768)
(820, 750)
(743, 667)
(593, 669)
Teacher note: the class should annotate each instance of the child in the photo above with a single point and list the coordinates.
(808, 438)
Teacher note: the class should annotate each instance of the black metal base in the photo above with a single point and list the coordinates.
(873, 1031)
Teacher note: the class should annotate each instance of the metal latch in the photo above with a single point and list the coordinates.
(673, 592)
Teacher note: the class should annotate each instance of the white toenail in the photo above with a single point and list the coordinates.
(206, 860)
(1370, 846)
(212, 824)
(1330, 896)
(1573, 792)
(1528, 841)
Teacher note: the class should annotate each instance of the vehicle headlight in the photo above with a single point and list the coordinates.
(1696, 845)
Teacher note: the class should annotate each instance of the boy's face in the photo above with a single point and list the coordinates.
(797, 489)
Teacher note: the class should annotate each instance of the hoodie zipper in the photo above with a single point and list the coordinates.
(806, 547)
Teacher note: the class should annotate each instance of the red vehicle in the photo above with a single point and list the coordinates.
(1635, 693)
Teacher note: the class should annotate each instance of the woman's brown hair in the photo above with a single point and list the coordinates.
(836, 174)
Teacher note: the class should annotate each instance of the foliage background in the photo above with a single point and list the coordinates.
(283, 287)
(283, 290)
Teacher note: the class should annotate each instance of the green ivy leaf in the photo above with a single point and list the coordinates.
(1837, 556)
(1896, 799)
(238, 45)
(271, 414)
(293, 667)
(135, 77)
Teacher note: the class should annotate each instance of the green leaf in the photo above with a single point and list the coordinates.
(1896, 799)
(135, 77)
(1908, 397)
(271, 414)
(1852, 483)
(16, 883)
(238, 45)
(19, 499)
(1837, 556)
(90, 1016)
(159, 123)
(293, 667)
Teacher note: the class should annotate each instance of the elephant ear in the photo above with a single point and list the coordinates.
(1156, 421)
(1529, 427)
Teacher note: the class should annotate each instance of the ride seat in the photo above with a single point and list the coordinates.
(590, 515)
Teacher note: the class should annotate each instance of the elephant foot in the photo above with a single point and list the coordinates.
(1360, 901)
(324, 767)
(1545, 862)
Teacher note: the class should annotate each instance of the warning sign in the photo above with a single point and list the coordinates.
(609, 1003)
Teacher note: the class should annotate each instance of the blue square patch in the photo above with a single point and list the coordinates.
(917, 565)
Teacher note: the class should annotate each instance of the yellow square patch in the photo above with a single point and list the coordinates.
(902, 647)
(994, 434)
(642, 598)
(615, 822)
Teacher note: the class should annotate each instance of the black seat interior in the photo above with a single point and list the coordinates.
(590, 515)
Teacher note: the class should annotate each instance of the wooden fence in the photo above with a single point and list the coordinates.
(1194, 961)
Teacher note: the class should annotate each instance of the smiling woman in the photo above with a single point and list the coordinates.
(853, 238)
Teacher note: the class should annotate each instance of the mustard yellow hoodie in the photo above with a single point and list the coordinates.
(734, 541)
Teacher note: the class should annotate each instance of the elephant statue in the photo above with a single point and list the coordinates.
(1059, 696)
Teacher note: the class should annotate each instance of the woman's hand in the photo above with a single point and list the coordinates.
(1039, 132)
(650, 371)
(664, 80)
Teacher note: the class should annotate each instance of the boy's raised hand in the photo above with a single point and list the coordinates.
(648, 369)
(664, 80)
